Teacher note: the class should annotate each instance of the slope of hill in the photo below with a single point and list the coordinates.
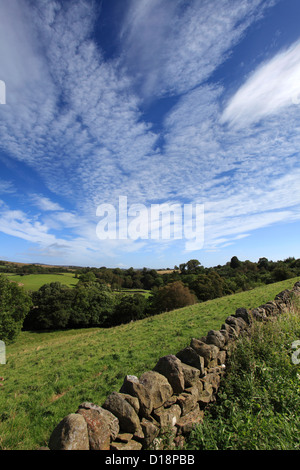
(48, 374)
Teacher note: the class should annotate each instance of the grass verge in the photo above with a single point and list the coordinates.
(259, 400)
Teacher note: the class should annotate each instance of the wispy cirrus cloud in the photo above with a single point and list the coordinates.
(274, 86)
(171, 46)
(45, 204)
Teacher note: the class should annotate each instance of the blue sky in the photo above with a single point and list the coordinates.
(161, 101)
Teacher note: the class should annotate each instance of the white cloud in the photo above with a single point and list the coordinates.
(171, 46)
(274, 86)
(6, 187)
(45, 204)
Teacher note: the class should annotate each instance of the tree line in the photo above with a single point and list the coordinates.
(98, 300)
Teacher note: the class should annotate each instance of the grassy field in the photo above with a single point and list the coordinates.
(47, 375)
(35, 281)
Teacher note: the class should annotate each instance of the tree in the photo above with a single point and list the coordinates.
(263, 263)
(87, 277)
(192, 265)
(92, 305)
(51, 307)
(172, 296)
(209, 286)
(14, 306)
(235, 262)
(130, 308)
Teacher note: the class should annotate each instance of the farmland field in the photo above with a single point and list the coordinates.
(48, 374)
(35, 281)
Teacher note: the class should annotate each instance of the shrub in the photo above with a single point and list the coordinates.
(14, 306)
(51, 307)
(172, 296)
(129, 308)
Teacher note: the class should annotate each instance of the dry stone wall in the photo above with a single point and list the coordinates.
(168, 400)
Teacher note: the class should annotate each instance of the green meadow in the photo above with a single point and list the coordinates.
(48, 374)
(35, 281)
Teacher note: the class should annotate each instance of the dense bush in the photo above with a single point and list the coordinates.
(209, 286)
(172, 296)
(14, 306)
(56, 306)
(129, 308)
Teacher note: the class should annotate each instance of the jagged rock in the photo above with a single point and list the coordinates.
(171, 367)
(232, 334)
(70, 434)
(225, 333)
(188, 400)
(214, 379)
(284, 296)
(207, 351)
(189, 356)
(244, 314)
(150, 430)
(259, 314)
(233, 322)
(131, 445)
(132, 386)
(186, 423)
(98, 429)
(124, 437)
(205, 397)
(237, 323)
(104, 416)
(216, 338)
(191, 375)
(168, 417)
(157, 387)
(296, 286)
(270, 308)
(133, 401)
(128, 419)
(221, 358)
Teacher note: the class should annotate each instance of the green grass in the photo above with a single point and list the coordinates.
(35, 281)
(259, 400)
(48, 375)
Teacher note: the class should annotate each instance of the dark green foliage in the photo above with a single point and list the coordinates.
(209, 286)
(235, 262)
(172, 296)
(56, 306)
(51, 307)
(129, 308)
(92, 305)
(14, 306)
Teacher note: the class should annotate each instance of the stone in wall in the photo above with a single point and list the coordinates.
(127, 416)
(171, 368)
(215, 337)
(189, 356)
(70, 434)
